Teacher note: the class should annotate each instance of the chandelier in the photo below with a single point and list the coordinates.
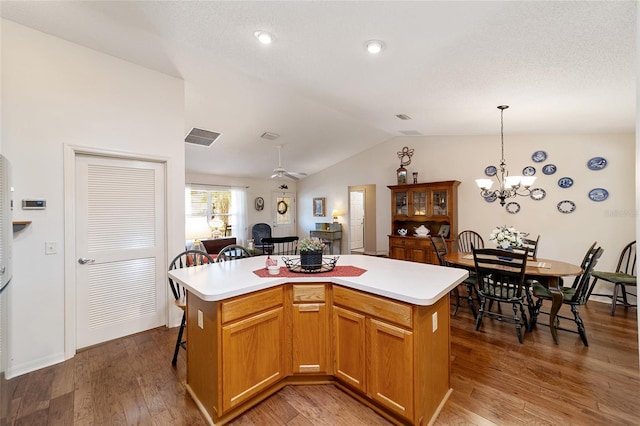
(509, 186)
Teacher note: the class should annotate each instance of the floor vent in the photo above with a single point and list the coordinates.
(202, 137)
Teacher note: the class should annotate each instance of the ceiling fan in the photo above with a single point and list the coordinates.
(280, 172)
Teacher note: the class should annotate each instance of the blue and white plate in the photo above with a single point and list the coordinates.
(491, 198)
(549, 169)
(598, 194)
(529, 171)
(512, 207)
(565, 182)
(597, 163)
(537, 194)
(566, 206)
(539, 156)
(490, 170)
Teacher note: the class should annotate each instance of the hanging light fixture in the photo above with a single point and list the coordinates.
(510, 186)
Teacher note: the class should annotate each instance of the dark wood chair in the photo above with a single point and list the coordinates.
(440, 247)
(501, 279)
(574, 296)
(258, 232)
(623, 277)
(232, 252)
(281, 245)
(184, 260)
(466, 239)
(530, 245)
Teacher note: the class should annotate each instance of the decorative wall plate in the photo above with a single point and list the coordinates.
(597, 163)
(538, 194)
(565, 182)
(529, 171)
(490, 170)
(549, 169)
(512, 207)
(566, 206)
(539, 156)
(491, 198)
(598, 194)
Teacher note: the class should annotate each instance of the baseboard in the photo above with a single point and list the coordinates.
(37, 364)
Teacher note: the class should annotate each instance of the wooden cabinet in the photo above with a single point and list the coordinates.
(372, 328)
(310, 327)
(236, 348)
(433, 205)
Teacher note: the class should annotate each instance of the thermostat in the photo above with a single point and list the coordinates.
(34, 204)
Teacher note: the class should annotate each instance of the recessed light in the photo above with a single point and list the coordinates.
(264, 37)
(374, 46)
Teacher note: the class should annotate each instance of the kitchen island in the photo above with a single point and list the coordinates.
(376, 328)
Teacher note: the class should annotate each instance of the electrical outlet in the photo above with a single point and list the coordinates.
(200, 319)
(50, 247)
(434, 321)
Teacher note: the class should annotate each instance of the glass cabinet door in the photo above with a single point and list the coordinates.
(419, 203)
(401, 204)
(440, 202)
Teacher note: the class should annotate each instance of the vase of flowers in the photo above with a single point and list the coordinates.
(506, 237)
(311, 250)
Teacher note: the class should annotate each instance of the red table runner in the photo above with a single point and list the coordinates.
(338, 271)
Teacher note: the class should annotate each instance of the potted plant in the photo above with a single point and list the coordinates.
(311, 250)
(506, 237)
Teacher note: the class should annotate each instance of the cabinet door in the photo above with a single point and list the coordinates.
(440, 201)
(252, 356)
(418, 203)
(398, 248)
(310, 338)
(349, 347)
(391, 373)
(400, 201)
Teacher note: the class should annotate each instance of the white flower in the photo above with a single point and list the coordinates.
(506, 236)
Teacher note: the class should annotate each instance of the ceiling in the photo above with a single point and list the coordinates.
(563, 67)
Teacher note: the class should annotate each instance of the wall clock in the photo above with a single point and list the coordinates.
(259, 203)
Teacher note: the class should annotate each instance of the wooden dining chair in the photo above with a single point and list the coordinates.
(624, 276)
(501, 279)
(282, 245)
(440, 247)
(531, 246)
(574, 296)
(466, 239)
(232, 252)
(185, 259)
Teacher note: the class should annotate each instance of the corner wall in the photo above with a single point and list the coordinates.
(54, 94)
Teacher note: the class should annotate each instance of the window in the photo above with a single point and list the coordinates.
(215, 212)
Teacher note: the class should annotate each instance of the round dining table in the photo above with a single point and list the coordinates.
(546, 271)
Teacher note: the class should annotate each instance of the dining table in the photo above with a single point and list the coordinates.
(546, 271)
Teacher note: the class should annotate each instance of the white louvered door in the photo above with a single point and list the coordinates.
(119, 214)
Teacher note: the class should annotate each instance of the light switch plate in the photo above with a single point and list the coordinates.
(434, 321)
(200, 319)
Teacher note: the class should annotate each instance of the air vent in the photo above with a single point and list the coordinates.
(403, 117)
(270, 136)
(410, 132)
(202, 137)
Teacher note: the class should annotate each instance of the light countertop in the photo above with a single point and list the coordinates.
(415, 283)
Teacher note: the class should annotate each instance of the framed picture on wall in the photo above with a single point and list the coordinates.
(319, 206)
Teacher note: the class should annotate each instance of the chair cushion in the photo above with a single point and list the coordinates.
(543, 292)
(615, 277)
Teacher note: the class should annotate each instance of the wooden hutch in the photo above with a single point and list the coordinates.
(432, 204)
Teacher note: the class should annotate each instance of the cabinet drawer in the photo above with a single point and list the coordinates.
(310, 293)
(395, 312)
(251, 304)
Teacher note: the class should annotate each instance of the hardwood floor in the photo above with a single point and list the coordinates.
(495, 380)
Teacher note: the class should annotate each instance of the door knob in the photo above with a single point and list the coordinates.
(85, 260)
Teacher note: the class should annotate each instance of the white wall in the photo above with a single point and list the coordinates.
(563, 236)
(56, 93)
(264, 188)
